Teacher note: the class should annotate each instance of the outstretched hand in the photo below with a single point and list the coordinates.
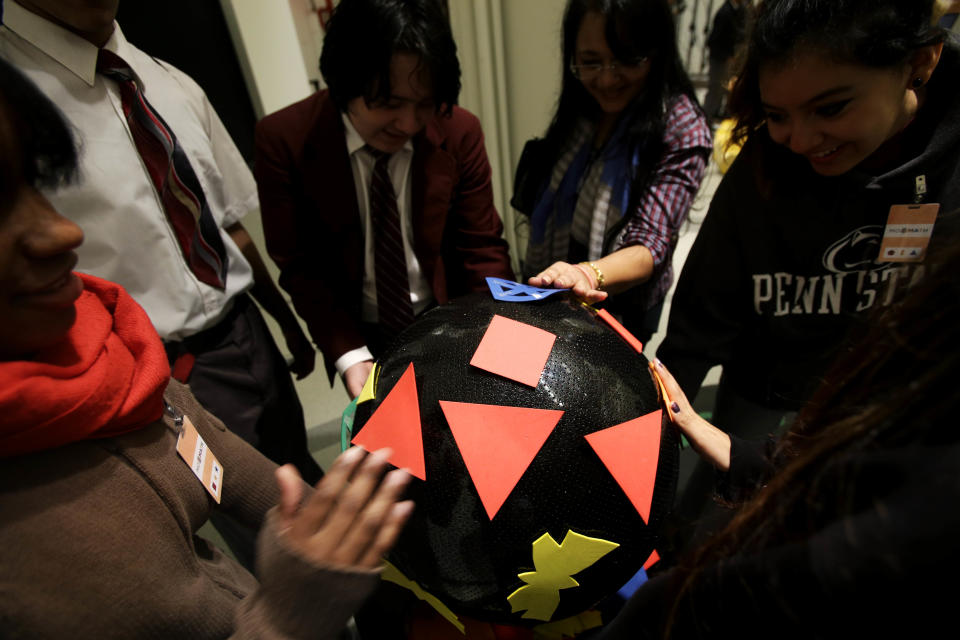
(353, 517)
(712, 444)
(563, 275)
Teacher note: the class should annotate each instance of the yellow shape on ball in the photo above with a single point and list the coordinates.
(394, 575)
(555, 565)
(369, 391)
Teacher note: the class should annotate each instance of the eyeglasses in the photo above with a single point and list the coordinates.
(593, 70)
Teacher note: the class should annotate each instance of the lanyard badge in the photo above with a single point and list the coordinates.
(909, 227)
(194, 450)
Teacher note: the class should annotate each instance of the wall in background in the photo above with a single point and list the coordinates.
(268, 47)
(310, 36)
(510, 55)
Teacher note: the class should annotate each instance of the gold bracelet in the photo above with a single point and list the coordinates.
(597, 271)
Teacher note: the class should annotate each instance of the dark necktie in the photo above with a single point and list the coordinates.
(394, 309)
(169, 168)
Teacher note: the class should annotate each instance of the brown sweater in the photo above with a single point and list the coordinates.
(97, 540)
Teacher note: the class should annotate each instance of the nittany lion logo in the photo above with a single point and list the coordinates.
(856, 251)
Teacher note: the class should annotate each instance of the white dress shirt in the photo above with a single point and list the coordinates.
(128, 237)
(362, 162)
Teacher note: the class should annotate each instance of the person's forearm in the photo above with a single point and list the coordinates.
(710, 443)
(264, 291)
(625, 268)
(592, 281)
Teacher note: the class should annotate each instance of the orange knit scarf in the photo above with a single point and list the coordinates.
(106, 377)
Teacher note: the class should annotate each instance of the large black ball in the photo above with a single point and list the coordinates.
(451, 547)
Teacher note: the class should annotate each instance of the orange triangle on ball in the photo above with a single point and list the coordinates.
(630, 451)
(498, 444)
(396, 424)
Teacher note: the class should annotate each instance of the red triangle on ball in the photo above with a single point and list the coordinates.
(396, 424)
(497, 444)
(630, 451)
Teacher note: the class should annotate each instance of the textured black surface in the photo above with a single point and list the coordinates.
(450, 547)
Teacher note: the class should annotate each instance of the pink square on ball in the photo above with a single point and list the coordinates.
(514, 350)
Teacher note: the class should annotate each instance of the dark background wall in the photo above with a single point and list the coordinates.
(192, 35)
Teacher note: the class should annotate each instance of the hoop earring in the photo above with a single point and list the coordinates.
(917, 82)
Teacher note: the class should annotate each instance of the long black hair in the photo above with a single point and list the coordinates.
(37, 146)
(363, 36)
(634, 29)
(872, 33)
(894, 388)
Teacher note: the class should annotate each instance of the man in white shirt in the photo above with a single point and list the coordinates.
(215, 336)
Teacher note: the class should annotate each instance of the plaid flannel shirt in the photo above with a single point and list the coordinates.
(662, 208)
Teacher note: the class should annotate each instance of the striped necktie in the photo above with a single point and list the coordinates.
(394, 309)
(169, 168)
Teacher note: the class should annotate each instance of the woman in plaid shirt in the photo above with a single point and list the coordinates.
(608, 186)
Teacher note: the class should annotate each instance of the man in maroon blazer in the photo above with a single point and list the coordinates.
(387, 124)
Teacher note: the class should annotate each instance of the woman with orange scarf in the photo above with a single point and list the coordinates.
(98, 512)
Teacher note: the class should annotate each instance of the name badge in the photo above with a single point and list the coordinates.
(908, 231)
(195, 452)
